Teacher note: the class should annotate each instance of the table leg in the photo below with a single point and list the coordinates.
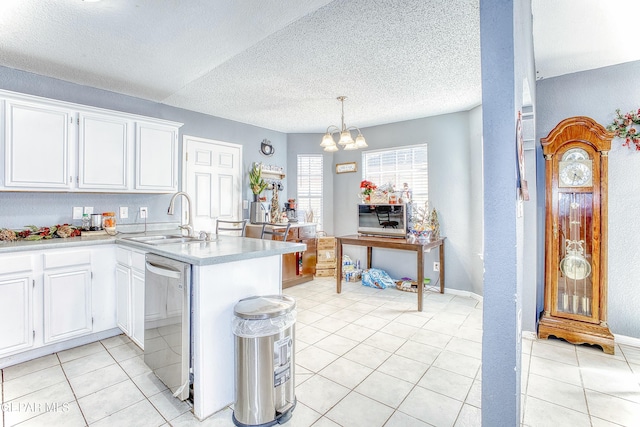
(442, 268)
(339, 266)
(369, 251)
(420, 278)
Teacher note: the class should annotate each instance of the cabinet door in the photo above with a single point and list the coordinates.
(103, 152)
(37, 146)
(16, 313)
(67, 303)
(309, 257)
(156, 158)
(123, 298)
(137, 287)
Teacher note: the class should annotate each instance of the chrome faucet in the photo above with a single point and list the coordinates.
(189, 225)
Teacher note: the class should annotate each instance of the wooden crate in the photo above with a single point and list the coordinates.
(326, 255)
(326, 264)
(326, 272)
(326, 242)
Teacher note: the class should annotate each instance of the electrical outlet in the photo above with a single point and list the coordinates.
(436, 266)
(124, 212)
(77, 212)
(245, 204)
(88, 210)
(144, 212)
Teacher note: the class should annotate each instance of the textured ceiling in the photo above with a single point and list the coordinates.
(579, 35)
(280, 64)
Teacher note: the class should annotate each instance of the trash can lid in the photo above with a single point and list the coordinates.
(264, 307)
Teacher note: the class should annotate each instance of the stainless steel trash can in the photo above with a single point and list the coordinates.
(264, 329)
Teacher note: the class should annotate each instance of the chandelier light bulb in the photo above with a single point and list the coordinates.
(360, 142)
(327, 140)
(346, 140)
(331, 148)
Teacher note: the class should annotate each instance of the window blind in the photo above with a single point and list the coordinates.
(310, 186)
(397, 167)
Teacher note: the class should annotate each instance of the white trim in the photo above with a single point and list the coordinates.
(40, 101)
(625, 340)
(457, 292)
(25, 356)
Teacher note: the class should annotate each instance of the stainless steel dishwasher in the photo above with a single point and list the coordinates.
(167, 322)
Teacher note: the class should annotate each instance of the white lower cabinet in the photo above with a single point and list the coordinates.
(51, 296)
(67, 295)
(123, 298)
(16, 303)
(130, 293)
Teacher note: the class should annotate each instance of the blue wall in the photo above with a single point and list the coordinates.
(597, 94)
(507, 62)
(455, 191)
(43, 209)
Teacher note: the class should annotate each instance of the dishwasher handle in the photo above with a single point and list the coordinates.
(163, 271)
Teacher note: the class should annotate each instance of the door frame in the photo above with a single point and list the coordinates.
(183, 165)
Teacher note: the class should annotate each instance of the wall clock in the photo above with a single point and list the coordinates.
(266, 148)
(575, 292)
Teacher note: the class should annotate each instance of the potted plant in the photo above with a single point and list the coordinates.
(256, 183)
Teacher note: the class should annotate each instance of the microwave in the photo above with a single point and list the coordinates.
(382, 220)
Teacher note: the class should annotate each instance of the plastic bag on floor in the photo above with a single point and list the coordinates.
(376, 278)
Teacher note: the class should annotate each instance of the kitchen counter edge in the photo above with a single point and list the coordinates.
(256, 249)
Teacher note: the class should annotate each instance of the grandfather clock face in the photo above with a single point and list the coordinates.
(574, 235)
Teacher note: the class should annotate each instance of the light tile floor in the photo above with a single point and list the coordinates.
(365, 357)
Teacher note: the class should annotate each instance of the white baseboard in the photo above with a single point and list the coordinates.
(54, 348)
(467, 294)
(625, 340)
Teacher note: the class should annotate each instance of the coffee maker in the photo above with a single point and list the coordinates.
(259, 213)
(290, 210)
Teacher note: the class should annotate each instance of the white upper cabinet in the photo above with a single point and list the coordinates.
(37, 141)
(103, 151)
(51, 145)
(156, 157)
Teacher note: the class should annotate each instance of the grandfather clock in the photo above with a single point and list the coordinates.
(575, 291)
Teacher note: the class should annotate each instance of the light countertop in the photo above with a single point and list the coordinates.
(222, 250)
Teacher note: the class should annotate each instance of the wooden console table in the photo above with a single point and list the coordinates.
(391, 243)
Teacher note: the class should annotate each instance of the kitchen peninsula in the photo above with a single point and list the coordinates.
(222, 272)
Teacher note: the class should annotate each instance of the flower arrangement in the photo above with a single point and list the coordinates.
(367, 187)
(623, 127)
(256, 183)
(31, 232)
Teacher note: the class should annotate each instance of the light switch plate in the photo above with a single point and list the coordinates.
(245, 204)
(124, 212)
(77, 212)
(88, 210)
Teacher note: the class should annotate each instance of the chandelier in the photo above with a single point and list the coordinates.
(346, 140)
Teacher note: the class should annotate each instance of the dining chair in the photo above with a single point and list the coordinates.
(275, 232)
(231, 226)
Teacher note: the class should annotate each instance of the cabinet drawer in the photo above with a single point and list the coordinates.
(64, 259)
(123, 256)
(16, 264)
(307, 232)
(137, 260)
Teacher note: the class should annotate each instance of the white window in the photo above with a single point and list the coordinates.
(310, 186)
(397, 167)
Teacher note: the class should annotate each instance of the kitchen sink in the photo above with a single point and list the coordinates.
(164, 240)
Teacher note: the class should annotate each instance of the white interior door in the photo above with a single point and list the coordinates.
(212, 177)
